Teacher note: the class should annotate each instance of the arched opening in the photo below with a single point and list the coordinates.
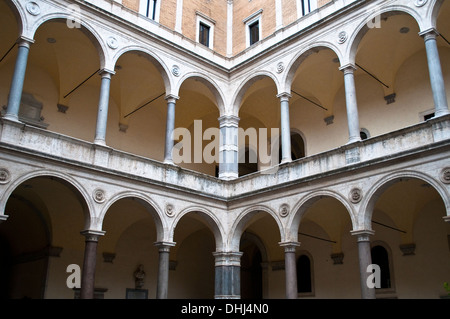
(297, 147)
(259, 115)
(131, 224)
(196, 235)
(408, 217)
(62, 84)
(46, 215)
(137, 116)
(197, 126)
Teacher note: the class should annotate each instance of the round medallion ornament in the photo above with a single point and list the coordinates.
(420, 3)
(176, 70)
(355, 195)
(342, 37)
(99, 196)
(5, 176)
(445, 175)
(280, 67)
(112, 43)
(170, 210)
(284, 210)
(33, 8)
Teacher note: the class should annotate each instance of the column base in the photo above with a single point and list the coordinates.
(441, 113)
(227, 297)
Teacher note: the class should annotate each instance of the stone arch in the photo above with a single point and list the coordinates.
(150, 205)
(89, 31)
(434, 12)
(237, 229)
(160, 65)
(305, 203)
(75, 186)
(246, 83)
(208, 218)
(369, 200)
(302, 56)
(361, 30)
(209, 83)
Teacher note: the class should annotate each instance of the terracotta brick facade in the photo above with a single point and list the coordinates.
(216, 11)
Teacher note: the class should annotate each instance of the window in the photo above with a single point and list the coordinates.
(254, 32)
(364, 134)
(305, 6)
(204, 34)
(304, 282)
(205, 30)
(380, 257)
(253, 28)
(150, 8)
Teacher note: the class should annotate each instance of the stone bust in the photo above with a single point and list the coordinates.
(139, 276)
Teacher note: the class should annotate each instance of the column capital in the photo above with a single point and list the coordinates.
(25, 41)
(229, 120)
(92, 235)
(348, 68)
(363, 234)
(171, 98)
(164, 246)
(428, 34)
(106, 73)
(227, 258)
(290, 246)
(3, 218)
(446, 219)
(285, 96)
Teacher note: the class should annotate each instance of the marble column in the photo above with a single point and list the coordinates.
(227, 275)
(290, 266)
(103, 105)
(90, 260)
(15, 92)
(229, 148)
(162, 287)
(365, 259)
(285, 128)
(170, 127)
(351, 103)
(435, 71)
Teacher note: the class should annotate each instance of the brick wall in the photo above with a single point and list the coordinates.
(289, 11)
(167, 15)
(213, 9)
(132, 4)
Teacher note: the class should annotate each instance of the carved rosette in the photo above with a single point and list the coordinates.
(112, 42)
(445, 175)
(420, 3)
(99, 195)
(355, 195)
(342, 37)
(176, 70)
(33, 8)
(170, 210)
(284, 210)
(5, 176)
(280, 67)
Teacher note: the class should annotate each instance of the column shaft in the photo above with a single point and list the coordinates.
(90, 260)
(435, 71)
(351, 104)
(227, 283)
(163, 270)
(285, 128)
(228, 157)
(15, 93)
(170, 127)
(365, 259)
(103, 104)
(290, 268)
